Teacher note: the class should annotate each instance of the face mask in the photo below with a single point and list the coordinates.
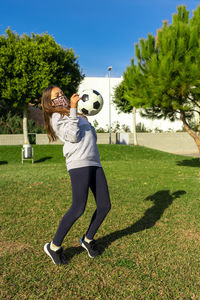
(61, 101)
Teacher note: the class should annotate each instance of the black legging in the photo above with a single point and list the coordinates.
(81, 180)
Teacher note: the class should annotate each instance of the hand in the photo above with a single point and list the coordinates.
(74, 100)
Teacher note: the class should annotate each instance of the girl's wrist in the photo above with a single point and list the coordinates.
(73, 105)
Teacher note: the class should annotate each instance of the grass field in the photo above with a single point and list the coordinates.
(150, 240)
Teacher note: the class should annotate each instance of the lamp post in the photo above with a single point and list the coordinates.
(109, 69)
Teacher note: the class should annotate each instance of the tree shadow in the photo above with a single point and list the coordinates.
(161, 200)
(194, 162)
(3, 162)
(42, 159)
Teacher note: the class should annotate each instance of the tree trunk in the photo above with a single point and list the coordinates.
(134, 127)
(192, 133)
(25, 126)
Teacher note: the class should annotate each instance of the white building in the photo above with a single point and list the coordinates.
(101, 84)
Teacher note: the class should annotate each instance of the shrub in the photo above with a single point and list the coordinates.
(12, 124)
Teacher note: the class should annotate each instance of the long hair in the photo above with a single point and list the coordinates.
(48, 110)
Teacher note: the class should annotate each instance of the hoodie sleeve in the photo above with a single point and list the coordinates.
(94, 132)
(67, 128)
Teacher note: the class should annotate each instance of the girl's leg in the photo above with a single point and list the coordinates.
(80, 180)
(99, 187)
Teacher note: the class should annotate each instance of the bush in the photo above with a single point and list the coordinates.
(12, 124)
(141, 128)
(115, 127)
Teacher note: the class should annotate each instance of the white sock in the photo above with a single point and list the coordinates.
(87, 240)
(54, 247)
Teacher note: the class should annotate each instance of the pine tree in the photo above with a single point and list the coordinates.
(166, 79)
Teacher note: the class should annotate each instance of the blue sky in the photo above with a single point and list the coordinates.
(101, 32)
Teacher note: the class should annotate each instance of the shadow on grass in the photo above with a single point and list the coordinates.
(194, 162)
(161, 200)
(42, 159)
(70, 252)
(3, 162)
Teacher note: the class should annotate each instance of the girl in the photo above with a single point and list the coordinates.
(83, 164)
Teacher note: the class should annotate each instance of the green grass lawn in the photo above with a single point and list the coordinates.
(150, 240)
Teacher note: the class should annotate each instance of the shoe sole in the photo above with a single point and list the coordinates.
(82, 245)
(47, 252)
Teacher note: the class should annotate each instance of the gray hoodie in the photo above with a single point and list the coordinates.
(79, 138)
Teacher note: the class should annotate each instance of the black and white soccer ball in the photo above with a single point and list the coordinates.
(91, 102)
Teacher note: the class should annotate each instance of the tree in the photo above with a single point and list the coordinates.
(28, 64)
(119, 100)
(166, 79)
(125, 106)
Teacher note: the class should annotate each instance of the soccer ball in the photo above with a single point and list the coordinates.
(91, 102)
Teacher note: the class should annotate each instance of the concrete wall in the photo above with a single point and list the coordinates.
(11, 139)
(102, 138)
(42, 139)
(178, 143)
